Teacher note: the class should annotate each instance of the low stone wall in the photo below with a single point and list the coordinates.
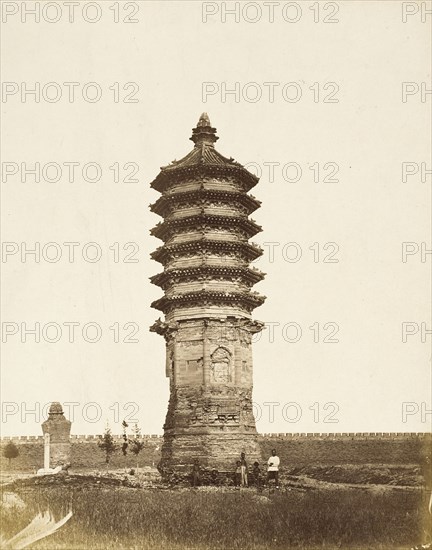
(74, 438)
(333, 449)
(295, 450)
(85, 454)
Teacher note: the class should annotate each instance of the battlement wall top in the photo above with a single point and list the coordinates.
(292, 436)
(347, 435)
(74, 438)
(116, 437)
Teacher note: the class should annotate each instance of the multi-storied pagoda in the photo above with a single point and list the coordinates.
(207, 304)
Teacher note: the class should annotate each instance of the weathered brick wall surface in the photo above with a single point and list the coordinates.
(85, 453)
(329, 450)
(294, 450)
(31, 456)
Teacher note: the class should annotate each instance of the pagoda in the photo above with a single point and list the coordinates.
(207, 305)
(57, 428)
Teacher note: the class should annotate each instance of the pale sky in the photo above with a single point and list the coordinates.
(363, 380)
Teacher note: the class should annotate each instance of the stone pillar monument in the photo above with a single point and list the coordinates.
(46, 451)
(207, 305)
(57, 446)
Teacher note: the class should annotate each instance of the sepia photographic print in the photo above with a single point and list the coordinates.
(216, 262)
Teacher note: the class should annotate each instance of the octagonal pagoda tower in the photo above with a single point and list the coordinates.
(207, 304)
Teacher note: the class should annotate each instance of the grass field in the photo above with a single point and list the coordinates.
(336, 494)
(214, 518)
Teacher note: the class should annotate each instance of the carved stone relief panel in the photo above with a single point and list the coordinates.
(221, 366)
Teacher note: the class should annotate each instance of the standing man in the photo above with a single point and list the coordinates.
(243, 470)
(273, 468)
(196, 477)
(256, 472)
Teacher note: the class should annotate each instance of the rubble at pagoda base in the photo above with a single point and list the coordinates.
(198, 428)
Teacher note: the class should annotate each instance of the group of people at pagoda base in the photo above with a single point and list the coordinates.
(243, 476)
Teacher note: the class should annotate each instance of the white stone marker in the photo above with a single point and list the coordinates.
(46, 451)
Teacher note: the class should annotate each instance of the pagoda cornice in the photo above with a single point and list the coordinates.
(201, 196)
(206, 246)
(246, 300)
(167, 228)
(170, 176)
(171, 276)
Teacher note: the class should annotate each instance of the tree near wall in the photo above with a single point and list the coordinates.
(10, 451)
(136, 443)
(125, 438)
(107, 444)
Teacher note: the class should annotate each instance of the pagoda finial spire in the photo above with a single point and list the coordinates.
(204, 133)
(204, 120)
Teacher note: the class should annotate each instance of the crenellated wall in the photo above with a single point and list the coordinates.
(349, 435)
(277, 435)
(74, 438)
(294, 449)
